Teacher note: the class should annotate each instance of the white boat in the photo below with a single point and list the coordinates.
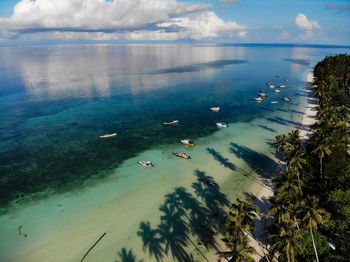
(215, 109)
(287, 99)
(271, 86)
(262, 94)
(171, 123)
(221, 124)
(108, 135)
(274, 102)
(182, 155)
(146, 163)
(258, 99)
(286, 80)
(278, 91)
(187, 142)
(283, 86)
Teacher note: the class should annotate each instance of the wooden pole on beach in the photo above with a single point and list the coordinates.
(93, 246)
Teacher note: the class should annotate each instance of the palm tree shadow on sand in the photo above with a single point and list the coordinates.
(127, 256)
(260, 163)
(187, 221)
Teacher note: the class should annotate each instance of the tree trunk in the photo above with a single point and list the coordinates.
(321, 167)
(313, 243)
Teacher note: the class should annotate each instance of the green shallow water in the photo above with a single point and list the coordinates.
(70, 186)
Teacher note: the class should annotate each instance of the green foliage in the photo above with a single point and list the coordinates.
(313, 194)
(321, 244)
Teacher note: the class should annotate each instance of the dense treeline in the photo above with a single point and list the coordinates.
(310, 209)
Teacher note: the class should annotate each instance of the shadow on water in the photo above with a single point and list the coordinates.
(223, 161)
(298, 61)
(127, 256)
(197, 67)
(260, 163)
(185, 217)
(285, 122)
(268, 128)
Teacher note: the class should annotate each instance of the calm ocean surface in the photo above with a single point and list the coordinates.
(55, 102)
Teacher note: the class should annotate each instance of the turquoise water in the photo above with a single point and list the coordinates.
(57, 100)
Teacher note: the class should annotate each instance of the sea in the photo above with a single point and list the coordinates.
(68, 195)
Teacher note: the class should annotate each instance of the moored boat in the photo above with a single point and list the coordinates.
(287, 99)
(171, 123)
(258, 99)
(278, 91)
(274, 102)
(283, 86)
(187, 142)
(215, 109)
(271, 86)
(108, 135)
(221, 124)
(262, 93)
(146, 163)
(182, 155)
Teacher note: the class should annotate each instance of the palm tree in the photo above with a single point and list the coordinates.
(312, 216)
(288, 185)
(288, 241)
(240, 251)
(294, 138)
(282, 144)
(279, 210)
(127, 256)
(322, 149)
(296, 162)
(241, 215)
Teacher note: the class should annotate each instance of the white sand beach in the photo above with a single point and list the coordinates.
(309, 117)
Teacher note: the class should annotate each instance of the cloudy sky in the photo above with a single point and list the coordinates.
(223, 21)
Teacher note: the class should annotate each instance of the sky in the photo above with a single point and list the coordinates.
(221, 21)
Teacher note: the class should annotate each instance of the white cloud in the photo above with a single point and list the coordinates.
(303, 23)
(308, 26)
(242, 34)
(117, 19)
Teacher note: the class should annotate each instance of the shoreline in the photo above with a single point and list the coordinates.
(262, 193)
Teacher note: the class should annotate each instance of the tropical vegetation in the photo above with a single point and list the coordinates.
(310, 208)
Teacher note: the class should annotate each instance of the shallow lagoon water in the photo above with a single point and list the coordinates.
(57, 100)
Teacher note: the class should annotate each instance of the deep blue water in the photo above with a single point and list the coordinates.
(55, 101)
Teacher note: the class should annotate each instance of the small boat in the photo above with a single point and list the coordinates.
(187, 142)
(274, 102)
(182, 155)
(286, 80)
(108, 135)
(277, 76)
(171, 123)
(208, 182)
(215, 109)
(268, 83)
(146, 163)
(258, 99)
(221, 124)
(277, 91)
(271, 86)
(262, 93)
(283, 86)
(287, 99)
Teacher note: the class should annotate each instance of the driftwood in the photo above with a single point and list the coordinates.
(93, 246)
